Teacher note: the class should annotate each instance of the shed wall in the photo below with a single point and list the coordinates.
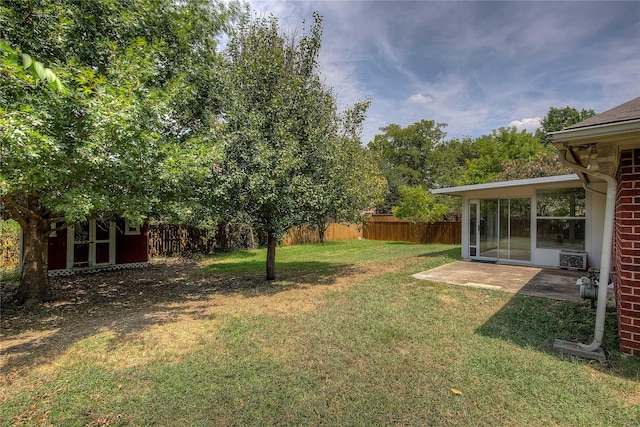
(58, 250)
(130, 249)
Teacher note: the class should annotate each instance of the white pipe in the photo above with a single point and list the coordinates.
(605, 260)
(593, 190)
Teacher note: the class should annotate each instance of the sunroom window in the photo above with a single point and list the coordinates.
(560, 218)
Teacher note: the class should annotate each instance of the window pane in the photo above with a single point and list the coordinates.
(102, 230)
(561, 202)
(560, 233)
(520, 229)
(489, 228)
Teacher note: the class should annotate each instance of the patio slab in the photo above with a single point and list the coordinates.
(552, 283)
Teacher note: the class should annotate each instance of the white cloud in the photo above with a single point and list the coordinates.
(420, 98)
(473, 65)
(530, 124)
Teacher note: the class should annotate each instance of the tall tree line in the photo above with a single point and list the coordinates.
(418, 157)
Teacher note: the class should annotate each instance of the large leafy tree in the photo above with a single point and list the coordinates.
(492, 151)
(282, 131)
(508, 154)
(406, 156)
(271, 79)
(345, 180)
(419, 206)
(544, 163)
(141, 93)
(451, 158)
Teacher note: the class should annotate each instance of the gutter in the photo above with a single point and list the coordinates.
(605, 260)
(612, 132)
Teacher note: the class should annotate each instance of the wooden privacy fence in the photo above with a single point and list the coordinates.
(387, 227)
(382, 227)
(167, 240)
(334, 232)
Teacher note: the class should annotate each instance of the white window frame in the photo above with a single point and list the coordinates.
(131, 229)
(555, 217)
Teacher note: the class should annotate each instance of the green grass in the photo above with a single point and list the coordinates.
(328, 257)
(385, 350)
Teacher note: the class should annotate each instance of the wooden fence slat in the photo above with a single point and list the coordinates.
(334, 232)
(439, 232)
(167, 240)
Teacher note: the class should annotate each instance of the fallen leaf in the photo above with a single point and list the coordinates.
(456, 391)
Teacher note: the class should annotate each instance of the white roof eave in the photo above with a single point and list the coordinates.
(457, 191)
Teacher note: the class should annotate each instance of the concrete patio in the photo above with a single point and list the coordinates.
(552, 283)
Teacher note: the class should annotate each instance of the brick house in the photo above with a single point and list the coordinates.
(606, 147)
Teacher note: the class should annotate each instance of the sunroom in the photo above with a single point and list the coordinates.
(549, 221)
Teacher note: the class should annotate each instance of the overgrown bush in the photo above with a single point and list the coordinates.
(9, 245)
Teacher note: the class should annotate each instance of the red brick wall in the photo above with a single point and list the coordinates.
(627, 252)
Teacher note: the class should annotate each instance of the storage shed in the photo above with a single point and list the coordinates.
(97, 245)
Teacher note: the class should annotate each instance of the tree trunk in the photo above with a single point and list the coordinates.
(271, 256)
(321, 231)
(34, 280)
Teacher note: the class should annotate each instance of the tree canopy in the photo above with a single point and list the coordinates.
(419, 156)
(107, 145)
(407, 156)
(288, 156)
(559, 118)
(493, 151)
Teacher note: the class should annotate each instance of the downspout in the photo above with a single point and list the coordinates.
(607, 238)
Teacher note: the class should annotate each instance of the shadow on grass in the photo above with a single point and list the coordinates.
(236, 253)
(453, 253)
(311, 270)
(533, 322)
(128, 302)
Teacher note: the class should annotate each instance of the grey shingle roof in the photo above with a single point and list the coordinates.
(628, 111)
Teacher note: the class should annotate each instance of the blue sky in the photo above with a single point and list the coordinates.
(476, 66)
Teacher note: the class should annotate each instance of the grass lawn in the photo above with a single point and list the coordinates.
(345, 337)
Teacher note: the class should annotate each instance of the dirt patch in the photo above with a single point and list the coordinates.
(169, 290)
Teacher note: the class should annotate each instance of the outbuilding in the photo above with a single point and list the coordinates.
(549, 221)
(96, 245)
